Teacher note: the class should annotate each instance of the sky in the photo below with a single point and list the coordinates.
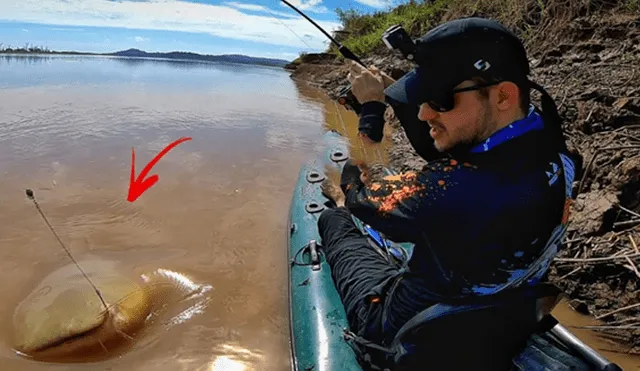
(261, 28)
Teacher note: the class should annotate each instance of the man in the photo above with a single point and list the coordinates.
(483, 212)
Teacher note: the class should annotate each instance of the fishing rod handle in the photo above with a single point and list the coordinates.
(347, 99)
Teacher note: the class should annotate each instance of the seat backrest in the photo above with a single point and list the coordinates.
(484, 333)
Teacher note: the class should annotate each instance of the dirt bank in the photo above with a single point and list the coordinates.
(593, 71)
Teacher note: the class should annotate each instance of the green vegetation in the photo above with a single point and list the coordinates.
(298, 60)
(28, 48)
(361, 33)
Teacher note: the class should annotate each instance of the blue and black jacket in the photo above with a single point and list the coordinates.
(482, 219)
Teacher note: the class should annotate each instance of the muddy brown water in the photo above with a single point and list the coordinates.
(214, 223)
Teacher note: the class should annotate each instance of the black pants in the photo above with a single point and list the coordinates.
(361, 274)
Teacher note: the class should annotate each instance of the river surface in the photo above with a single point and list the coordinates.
(216, 218)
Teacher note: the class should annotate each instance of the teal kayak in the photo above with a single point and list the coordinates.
(318, 323)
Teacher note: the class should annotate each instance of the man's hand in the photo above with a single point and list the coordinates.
(333, 192)
(366, 85)
(350, 175)
(364, 175)
(386, 79)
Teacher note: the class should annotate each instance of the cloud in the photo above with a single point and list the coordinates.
(379, 4)
(174, 15)
(140, 39)
(313, 6)
(258, 8)
(66, 29)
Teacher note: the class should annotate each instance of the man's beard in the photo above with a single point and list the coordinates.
(465, 145)
(458, 148)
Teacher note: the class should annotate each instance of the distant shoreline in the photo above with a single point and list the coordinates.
(44, 52)
(177, 56)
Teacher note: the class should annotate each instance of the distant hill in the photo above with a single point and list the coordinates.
(231, 58)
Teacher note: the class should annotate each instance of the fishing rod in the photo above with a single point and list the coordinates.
(346, 97)
(32, 197)
(341, 48)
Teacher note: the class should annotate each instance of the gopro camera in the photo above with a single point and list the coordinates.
(396, 38)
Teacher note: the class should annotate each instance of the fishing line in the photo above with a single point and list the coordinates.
(342, 49)
(284, 24)
(344, 127)
(32, 198)
(312, 22)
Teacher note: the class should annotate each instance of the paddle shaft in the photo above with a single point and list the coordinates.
(586, 351)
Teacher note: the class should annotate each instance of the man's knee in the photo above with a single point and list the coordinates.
(330, 216)
(335, 221)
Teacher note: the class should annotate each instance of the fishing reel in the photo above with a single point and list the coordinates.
(348, 100)
(396, 39)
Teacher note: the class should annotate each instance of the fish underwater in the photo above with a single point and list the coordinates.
(64, 320)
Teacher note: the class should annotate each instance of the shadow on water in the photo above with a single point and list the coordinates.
(25, 59)
(183, 64)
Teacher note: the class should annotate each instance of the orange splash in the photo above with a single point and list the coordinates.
(393, 178)
(389, 202)
(409, 176)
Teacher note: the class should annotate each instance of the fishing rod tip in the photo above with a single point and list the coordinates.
(29, 193)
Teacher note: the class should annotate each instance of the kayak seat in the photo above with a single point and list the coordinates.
(480, 333)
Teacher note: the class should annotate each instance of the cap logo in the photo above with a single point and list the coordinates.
(482, 65)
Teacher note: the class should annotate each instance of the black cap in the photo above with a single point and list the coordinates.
(459, 50)
(471, 47)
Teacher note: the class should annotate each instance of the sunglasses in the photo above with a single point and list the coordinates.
(444, 101)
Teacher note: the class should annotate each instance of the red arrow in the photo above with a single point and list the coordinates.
(138, 186)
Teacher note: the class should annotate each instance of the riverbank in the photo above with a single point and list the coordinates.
(587, 59)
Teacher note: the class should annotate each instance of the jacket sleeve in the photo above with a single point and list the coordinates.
(401, 206)
(372, 122)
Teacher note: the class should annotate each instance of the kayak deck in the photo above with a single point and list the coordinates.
(317, 317)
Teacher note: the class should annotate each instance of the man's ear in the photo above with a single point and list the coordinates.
(508, 95)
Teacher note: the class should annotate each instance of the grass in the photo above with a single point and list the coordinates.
(533, 20)
(364, 32)
(633, 5)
